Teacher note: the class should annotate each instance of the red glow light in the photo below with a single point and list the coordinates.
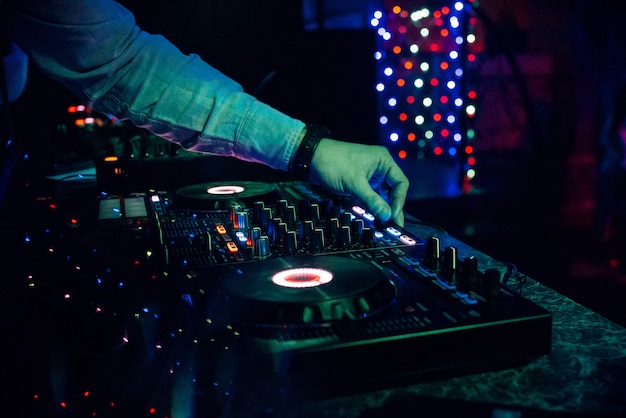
(403, 117)
(438, 150)
(402, 154)
(435, 48)
(437, 117)
(469, 149)
(410, 99)
(411, 137)
(445, 133)
(434, 82)
(471, 94)
(443, 99)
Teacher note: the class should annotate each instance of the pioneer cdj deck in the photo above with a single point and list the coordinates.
(314, 290)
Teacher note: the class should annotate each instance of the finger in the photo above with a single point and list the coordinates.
(372, 200)
(399, 189)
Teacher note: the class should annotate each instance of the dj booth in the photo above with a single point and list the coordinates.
(247, 297)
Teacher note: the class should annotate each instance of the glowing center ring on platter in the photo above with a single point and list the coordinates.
(221, 190)
(302, 277)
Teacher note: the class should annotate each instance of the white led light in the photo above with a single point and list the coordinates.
(380, 87)
(427, 102)
(302, 277)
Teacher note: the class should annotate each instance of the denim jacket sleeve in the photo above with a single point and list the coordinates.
(95, 48)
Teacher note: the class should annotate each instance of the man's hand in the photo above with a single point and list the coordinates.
(367, 172)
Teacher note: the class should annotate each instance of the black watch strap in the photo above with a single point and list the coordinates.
(302, 160)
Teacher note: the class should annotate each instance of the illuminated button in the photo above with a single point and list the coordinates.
(405, 239)
(393, 231)
(368, 216)
(220, 229)
(232, 247)
(358, 210)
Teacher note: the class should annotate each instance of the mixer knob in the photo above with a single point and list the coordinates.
(333, 228)
(492, 284)
(281, 208)
(315, 213)
(433, 252)
(290, 216)
(262, 247)
(241, 220)
(317, 243)
(306, 231)
(468, 277)
(368, 237)
(449, 265)
(357, 230)
(291, 243)
(345, 237)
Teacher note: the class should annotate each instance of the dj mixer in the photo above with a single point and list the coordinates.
(313, 289)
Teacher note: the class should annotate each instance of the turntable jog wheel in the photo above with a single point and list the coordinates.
(218, 195)
(302, 290)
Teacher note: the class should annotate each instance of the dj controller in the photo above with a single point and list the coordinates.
(314, 290)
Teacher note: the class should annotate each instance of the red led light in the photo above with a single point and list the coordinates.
(400, 82)
(471, 94)
(471, 57)
(469, 149)
(402, 29)
(434, 82)
(444, 32)
(437, 117)
(396, 49)
(410, 99)
(402, 154)
(403, 117)
(445, 133)
(437, 150)
(471, 160)
(444, 99)
(444, 65)
(445, 10)
(439, 22)
(411, 137)
(435, 48)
